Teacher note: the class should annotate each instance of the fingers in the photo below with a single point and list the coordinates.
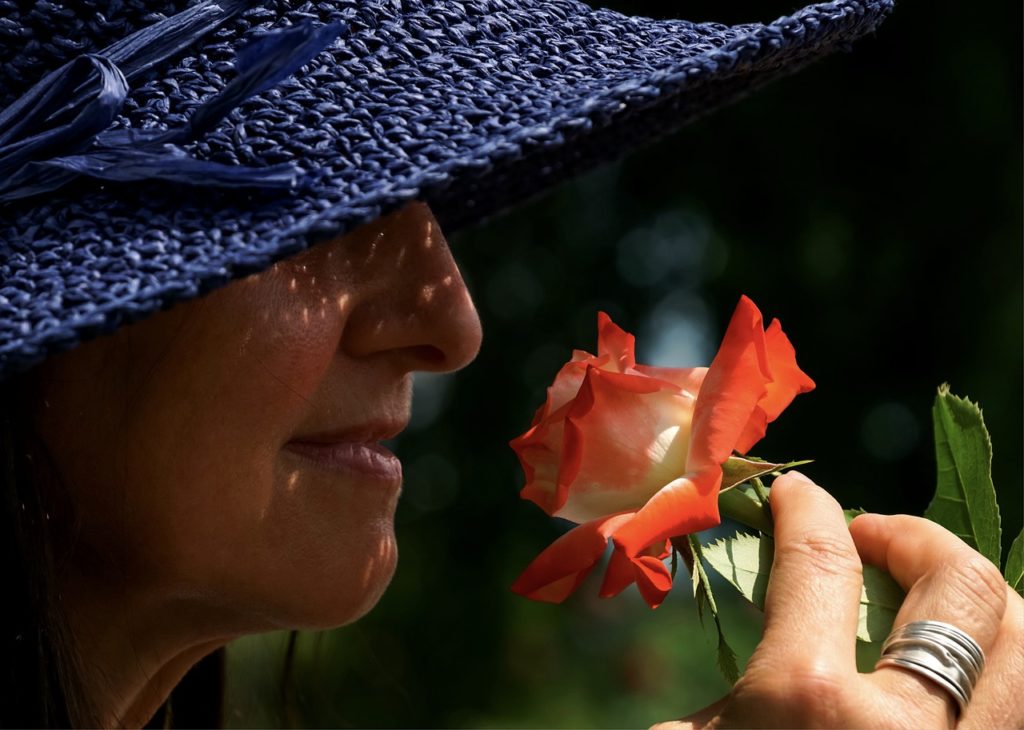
(814, 592)
(945, 580)
(800, 673)
(998, 699)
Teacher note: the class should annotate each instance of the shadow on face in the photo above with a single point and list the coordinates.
(175, 437)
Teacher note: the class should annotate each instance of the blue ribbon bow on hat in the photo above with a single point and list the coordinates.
(55, 131)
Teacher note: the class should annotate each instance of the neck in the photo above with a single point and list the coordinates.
(134, 650)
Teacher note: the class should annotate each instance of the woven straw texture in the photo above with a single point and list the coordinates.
(470, 105)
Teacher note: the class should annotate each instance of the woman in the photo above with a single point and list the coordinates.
(215, 470)
(241, 506)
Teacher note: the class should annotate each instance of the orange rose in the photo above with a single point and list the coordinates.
(634, 453)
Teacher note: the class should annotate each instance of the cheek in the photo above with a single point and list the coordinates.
(295, 549)
(231, 515)
(178, 477)
(268, 348)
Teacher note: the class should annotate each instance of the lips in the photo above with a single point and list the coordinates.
(362, 433)
(353, 451)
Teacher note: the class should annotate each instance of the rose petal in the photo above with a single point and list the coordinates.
(566, 384)
(558, 571)
(618, 576)
(653, 579)
(615, 342)
(731, 390)
(540, 465)
(612, 438)
(539, 451)
(685, 505)
(540, 448)
(571, 460)
(788, 381)
(660, 552)
(625, 438)
(550, 452)
(686, 379)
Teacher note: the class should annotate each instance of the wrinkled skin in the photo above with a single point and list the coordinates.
(803, 674)
(195, 525)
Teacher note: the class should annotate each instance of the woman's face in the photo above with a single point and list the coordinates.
(180, 439)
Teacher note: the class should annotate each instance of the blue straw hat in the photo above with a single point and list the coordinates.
(152, 150)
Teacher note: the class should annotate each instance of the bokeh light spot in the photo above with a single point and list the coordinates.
(889, 431)
(431, 483)
(513, 291)
(677, 333)
(430, 395)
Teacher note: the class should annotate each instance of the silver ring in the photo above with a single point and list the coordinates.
(939, 651)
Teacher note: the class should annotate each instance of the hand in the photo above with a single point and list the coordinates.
(804, 674)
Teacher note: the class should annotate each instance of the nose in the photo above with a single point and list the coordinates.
(414, 307)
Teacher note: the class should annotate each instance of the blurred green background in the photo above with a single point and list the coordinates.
(872, 203)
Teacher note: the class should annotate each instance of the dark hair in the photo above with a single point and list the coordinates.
(40, 684)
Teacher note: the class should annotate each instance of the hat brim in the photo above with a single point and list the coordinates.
(471, 114)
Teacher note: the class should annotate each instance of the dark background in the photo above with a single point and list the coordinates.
(872, 203)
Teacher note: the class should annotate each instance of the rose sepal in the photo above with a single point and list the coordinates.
(647, 445)
(740, 469)
(748, 507)
(745, 507)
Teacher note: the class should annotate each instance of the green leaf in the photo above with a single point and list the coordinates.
(702, 591)
(880, 601)
(681, 547)
(965, 499)
(868, 655)
(849, 514)
(745, 561)
(696, 585)
(739, 469)
(726, 656)
(1014, 571)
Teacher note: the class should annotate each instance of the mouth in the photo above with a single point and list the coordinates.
(366, 459)
(354, 451)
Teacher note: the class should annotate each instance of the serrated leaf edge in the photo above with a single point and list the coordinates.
(943, 393)
(1015, 562)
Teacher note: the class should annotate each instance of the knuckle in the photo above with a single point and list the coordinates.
(753, 691)
(818, 697)
(805, 695)
(825, 552)
(981, 584)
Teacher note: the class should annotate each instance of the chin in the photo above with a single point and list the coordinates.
(377, 579)
(358, 586)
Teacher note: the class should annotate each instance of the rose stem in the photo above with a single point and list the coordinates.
(743, 507)
(762, 494)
